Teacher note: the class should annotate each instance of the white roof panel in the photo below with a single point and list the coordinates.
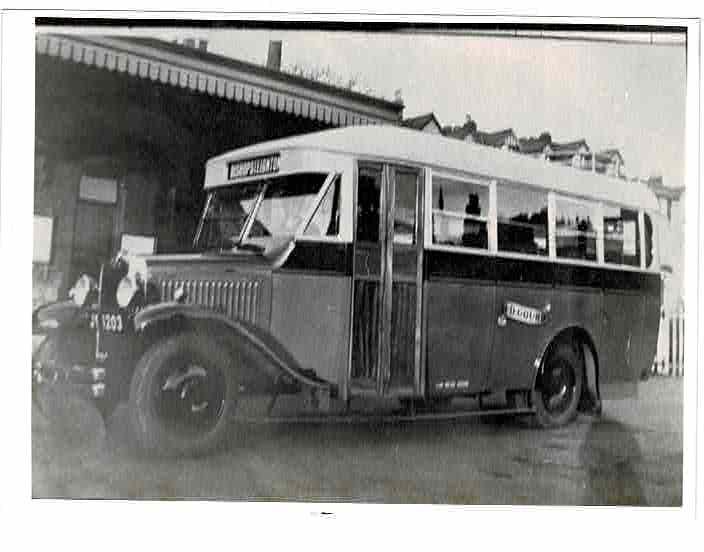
(419, 148)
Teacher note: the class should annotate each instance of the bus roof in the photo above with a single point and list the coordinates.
(419, 148)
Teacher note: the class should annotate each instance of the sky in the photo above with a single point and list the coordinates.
(614, 95)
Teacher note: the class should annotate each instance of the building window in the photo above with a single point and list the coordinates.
(522, 220)
(460, 213)
(100, 190)
(621, 241)
(43, 232)
(575, 232)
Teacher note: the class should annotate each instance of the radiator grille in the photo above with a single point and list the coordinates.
(236, 298)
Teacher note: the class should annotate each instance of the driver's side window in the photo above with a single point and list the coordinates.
(326, 220)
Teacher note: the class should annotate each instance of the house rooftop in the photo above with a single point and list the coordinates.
(494, 139)
(534, 144)
(569, 146)
(656, 185)
(457, 132)
(419, 122)
(609, 154)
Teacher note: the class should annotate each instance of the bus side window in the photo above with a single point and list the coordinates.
(621, 240)
(368, 204)
(575, 231)
(405, 207)
(522, 220)
(460, 213)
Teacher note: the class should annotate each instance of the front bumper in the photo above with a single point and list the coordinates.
(67, 360)
(88, 349)
(87, 381)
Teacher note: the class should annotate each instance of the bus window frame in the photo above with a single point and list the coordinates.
(597, 207)
(300, 234)
(641, 237)
(550, 236)
(597, 210)
(479, 180)
(344, 167)
(491, 219)
(655, 222)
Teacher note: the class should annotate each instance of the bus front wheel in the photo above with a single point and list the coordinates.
(182, 396)
(558, 386)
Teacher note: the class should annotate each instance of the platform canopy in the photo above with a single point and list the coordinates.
(208, 73)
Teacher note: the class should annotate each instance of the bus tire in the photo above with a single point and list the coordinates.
(558, 387)
(182, 396)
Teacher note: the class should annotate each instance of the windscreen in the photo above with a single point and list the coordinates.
(257, 212)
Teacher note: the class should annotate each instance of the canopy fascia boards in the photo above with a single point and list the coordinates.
(303, 98)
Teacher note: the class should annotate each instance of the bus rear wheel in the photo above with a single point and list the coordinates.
(558, 386)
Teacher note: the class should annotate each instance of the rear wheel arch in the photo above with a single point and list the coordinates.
(582, 340)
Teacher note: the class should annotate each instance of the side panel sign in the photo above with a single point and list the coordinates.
(525, 315)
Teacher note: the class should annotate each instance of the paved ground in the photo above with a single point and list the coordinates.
(631, 455)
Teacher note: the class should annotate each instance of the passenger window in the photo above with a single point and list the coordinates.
(621, 240)
(575, 233)
(522, 220)
(460, 210)
(326, 220)
(405, 192)
(368, 204)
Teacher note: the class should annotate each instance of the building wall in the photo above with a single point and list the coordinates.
(672, 252)
(432, 128)
(146, 206)
(55, 192)
(152, 139)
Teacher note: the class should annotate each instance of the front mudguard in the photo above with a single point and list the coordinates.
(270, 368)
(65, 362)
(58, 317)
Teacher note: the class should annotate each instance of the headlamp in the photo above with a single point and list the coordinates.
(81, 289)
(125, 291)
(135, 279)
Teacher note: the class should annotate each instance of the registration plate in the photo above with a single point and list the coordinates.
(109, 322)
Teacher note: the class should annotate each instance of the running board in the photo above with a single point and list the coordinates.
(390, 418)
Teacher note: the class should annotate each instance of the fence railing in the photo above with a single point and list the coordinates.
(669, 358)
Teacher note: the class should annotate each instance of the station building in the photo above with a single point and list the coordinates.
(124, 126)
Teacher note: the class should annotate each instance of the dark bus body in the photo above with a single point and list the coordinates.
(370, 262)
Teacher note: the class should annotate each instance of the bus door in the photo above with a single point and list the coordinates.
(386, 335)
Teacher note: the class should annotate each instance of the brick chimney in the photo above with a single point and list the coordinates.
(273, 58)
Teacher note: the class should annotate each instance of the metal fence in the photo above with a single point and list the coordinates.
(669, 358)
